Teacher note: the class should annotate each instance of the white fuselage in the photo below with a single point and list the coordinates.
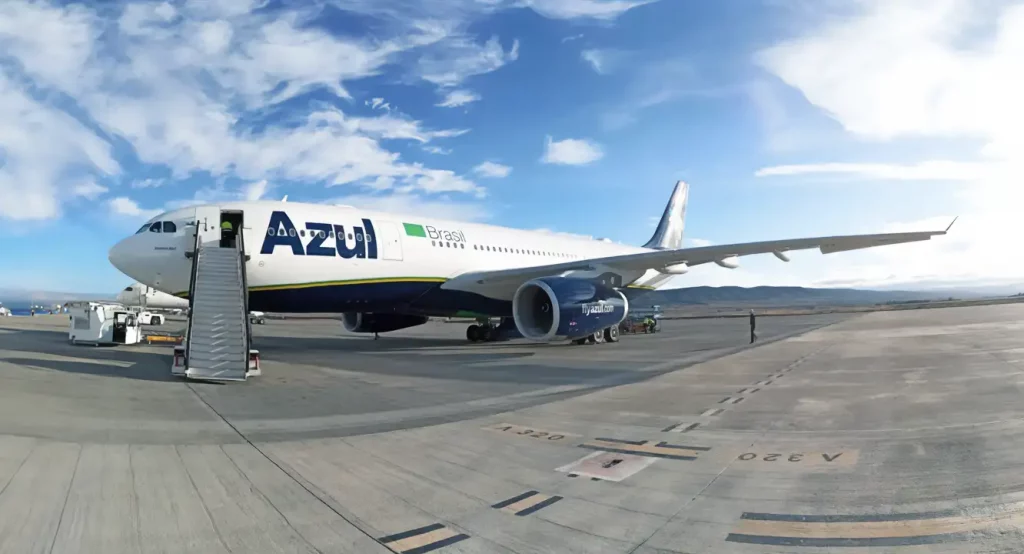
(299, 261)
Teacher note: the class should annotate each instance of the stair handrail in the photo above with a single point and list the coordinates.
(242, 259)
(192, 293)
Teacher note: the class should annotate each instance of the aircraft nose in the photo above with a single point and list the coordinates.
(118, 256)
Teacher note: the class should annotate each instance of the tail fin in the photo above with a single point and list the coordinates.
(669, 234)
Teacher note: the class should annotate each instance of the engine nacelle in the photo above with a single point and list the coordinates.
(675, 269)
(363, 322)
(732, 262)
(555, 308)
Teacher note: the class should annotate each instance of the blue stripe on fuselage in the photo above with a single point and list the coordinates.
(406, 296)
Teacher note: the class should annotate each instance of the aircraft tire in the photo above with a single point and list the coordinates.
(486, 333)
(611, 334)
(580, 341)
(596, 338)
(473, 333)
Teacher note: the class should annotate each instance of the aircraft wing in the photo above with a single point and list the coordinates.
(505, 282)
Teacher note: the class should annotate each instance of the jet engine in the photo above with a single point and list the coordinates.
(554, 308)
(363, 322)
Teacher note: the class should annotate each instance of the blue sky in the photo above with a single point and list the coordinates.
(788, 118)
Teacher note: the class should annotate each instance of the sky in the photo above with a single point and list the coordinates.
(789, 118)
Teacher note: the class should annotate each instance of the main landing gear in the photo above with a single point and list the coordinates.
(486, 331)
(481, 333)
(611, 334)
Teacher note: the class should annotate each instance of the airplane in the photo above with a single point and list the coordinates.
(385, 272)
(141, 295)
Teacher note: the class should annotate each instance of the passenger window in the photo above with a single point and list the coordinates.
(155, 228)
(170, 227)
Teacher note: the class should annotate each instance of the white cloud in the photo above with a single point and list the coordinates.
(90, 190)
(547, 231)
(571, 38)
(603, 61)
(910, 69)
(905, 70)
(697, 243)
(458, 97)
(441, 207)
(40, 147)
(937, 170)
(181, 85)
(493, 170)
(256, 191)
(571, 152)
(456, 59)
(572, 9)
(124, 206)
(437, 150)
(148, 183)
(378, 103)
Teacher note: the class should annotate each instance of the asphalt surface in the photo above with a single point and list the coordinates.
(884, 432)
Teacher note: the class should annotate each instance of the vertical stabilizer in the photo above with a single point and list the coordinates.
(669, 234)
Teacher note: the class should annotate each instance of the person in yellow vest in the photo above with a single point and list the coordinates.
(227, 234)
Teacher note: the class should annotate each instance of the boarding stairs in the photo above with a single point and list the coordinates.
(218, 340)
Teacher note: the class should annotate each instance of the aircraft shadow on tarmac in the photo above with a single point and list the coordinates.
(146, 366)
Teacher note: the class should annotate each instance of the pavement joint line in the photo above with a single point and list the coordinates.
(283, 470)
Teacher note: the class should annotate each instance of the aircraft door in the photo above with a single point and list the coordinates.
(389, 239)
(208, 224)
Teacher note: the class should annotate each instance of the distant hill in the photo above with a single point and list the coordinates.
(781, 296)
(11, 297)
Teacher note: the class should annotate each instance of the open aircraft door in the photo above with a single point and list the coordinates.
(389, 239)
(208, 224)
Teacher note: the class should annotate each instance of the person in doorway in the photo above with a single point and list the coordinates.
(753, 325)
(227, 234)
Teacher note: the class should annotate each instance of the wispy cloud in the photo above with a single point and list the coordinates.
(461, 58)
(595, 9)
(437, 150)
(493, 170)
(124, 206)
(571, 38)
(458, 97)
(603, 60)
(441, 207)
(938, 170)
(571, 151)
(88, 189)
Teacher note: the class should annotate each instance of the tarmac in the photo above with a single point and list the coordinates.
(882, 432)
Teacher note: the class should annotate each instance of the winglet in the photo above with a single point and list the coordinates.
(951, 224)
(669, 234)
(285, 199)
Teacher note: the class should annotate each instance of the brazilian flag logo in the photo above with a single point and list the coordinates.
(414, 230)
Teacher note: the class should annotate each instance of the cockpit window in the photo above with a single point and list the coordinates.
(142, 229)
(170, 227)
(155, 228)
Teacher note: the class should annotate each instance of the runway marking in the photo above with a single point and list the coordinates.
(724, 400)
(738, 400)
(782, 459)
(646, 448)
(712, 412)
(607, 466)
(678, 428)
(530, 432)
(755, 390)
(741, 391)
(863, 530)
(424, 539)
(526, 503)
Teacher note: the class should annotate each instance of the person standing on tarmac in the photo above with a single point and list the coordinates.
(753, 324)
